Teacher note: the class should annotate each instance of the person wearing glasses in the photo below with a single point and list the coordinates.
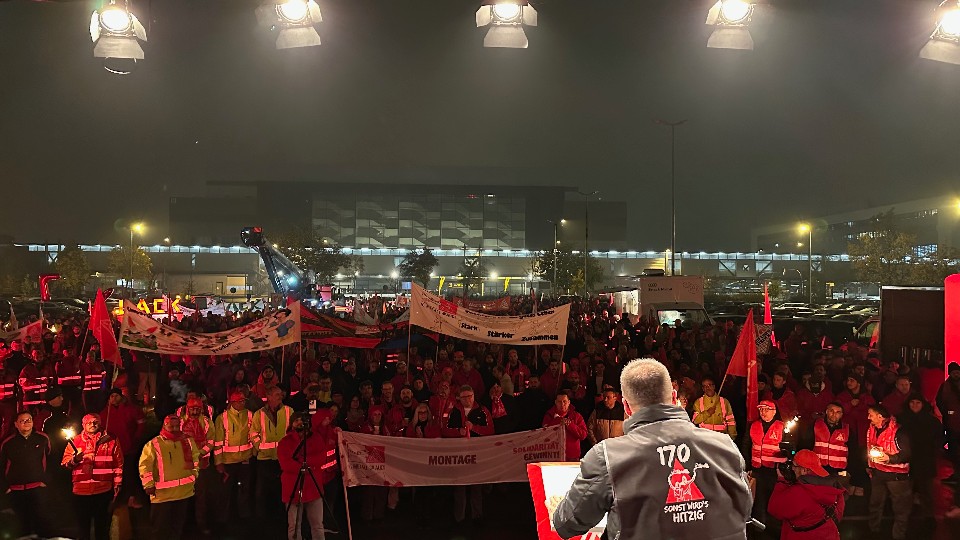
(468, 419)
(97, 470)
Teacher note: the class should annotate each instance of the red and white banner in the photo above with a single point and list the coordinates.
(548, 327)
(549, 484)
(141, 333)
(31, 333)
(376, 460)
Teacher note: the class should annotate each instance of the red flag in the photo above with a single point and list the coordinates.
(767, 317)
(102, 329)
(744, 363)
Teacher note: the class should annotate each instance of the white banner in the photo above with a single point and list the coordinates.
(429, 311)
(375, 460)
(32, 332)
(142, 333)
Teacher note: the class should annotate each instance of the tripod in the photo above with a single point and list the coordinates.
(297, 490)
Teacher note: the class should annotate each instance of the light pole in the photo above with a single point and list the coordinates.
(556, 242)
(807, 228)
(163, 288)
(673, 191)
(138, 228)
(586, 233)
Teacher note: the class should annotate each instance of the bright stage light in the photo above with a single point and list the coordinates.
(944, 43)
(731, 19)
(115, 19)
(507, 12)
(506, 20)
(293, 20)
(294, 11)
(116, 34)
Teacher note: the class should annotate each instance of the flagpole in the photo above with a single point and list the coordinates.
(346, 496)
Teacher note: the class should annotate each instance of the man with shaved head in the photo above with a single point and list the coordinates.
(664, 478)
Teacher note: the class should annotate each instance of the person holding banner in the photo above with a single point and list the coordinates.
(665, 478)
(468, 419)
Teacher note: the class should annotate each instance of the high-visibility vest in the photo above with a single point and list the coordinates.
(162, 466)
(93, 382)
(266, 435)
(33, 384)
(68, 375)
(831, 448)
(765, 450)
(887, 440)
(8, 389)
(725, 414)
(233, 443)
(103, 472)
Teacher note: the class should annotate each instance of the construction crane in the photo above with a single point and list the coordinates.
(285, 276)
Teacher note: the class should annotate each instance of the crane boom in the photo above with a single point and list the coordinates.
(285, 276)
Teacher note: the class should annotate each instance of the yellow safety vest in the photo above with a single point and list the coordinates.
(720, 420)
(266, 434)
(234, 442)
(162, 466)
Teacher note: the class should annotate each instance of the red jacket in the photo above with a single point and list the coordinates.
(811, 405)
(430, 431)
(124, 422)
(575, 432)
(290, 465)
(802, 505)
(856, 415)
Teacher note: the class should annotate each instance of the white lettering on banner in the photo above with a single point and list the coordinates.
(429, 311)
(400, 461)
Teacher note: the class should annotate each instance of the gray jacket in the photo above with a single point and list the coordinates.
(664, 479)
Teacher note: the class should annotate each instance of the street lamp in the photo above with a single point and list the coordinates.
(556, 242)
(808, 229)
(673, 190)
(134, 228)
(586, 233)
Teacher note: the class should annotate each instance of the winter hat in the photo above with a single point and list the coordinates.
(237, 395)
(953, 366)
(52, 393)
(194, 402)
(855, 376)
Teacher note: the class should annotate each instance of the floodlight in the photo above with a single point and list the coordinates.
(731, 19)
(293, 20)
(506, 19)
(944, 44)
(116, 34)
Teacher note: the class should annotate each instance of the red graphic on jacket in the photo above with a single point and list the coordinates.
(682, 486)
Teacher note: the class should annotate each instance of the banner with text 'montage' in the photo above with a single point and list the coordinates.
(548, 327)
(142, 333)
(374, 460)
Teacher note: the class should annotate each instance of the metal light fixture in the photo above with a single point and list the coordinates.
(944, 44)
(506, 19)
(293, 20)
(116, 34)
(731, 19)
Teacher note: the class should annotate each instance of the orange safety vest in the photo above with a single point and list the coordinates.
(831, 448)
(101, 474)
(765, 451)
(887, 441)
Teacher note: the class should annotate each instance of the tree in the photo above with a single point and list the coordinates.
(418, 265)
(472, 272)
(311, 254)
(29, 286)
(569, 269)
(119, 263)
(357, 264)
(73, 269)
(935, 267)
(884, 255)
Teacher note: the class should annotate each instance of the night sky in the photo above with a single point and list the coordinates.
(833, 111)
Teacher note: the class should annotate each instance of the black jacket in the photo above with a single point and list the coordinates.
(23, 460)
(672, 480)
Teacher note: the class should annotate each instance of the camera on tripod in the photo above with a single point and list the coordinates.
(788, 446)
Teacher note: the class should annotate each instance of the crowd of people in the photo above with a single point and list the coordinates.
(214, 441)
